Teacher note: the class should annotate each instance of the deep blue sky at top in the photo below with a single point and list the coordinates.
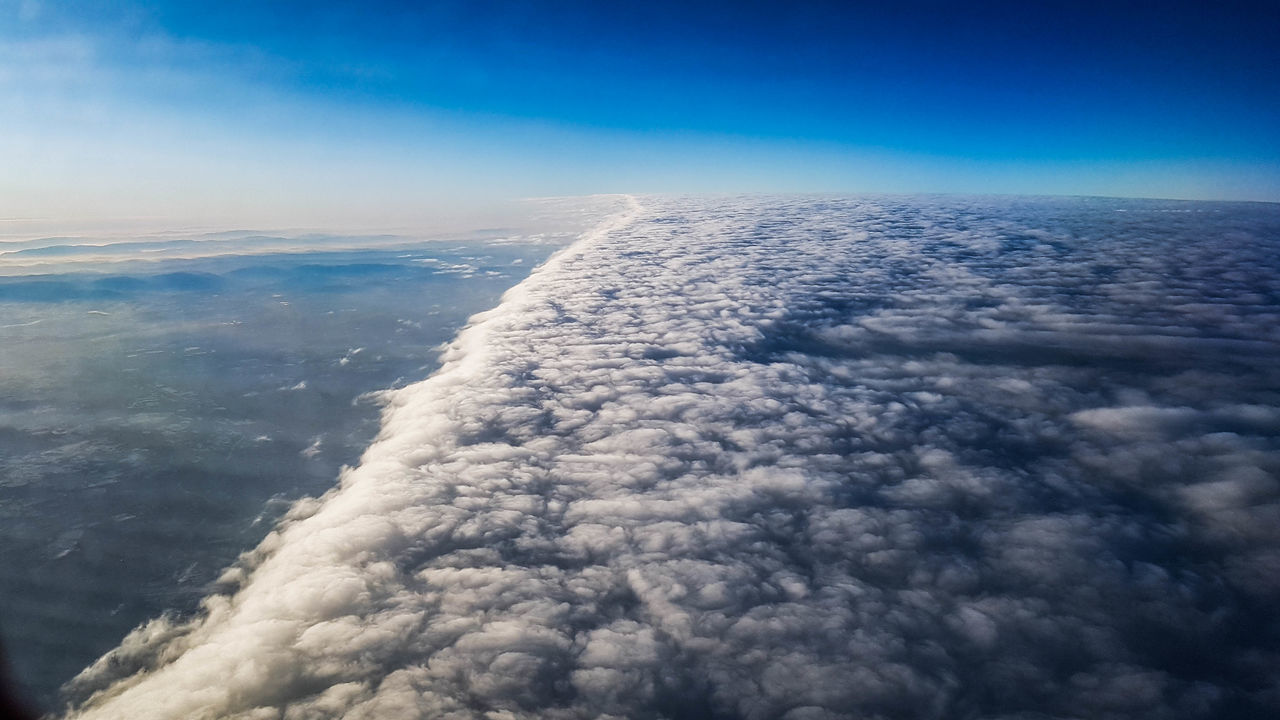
(1134, 98)
(1026, 79)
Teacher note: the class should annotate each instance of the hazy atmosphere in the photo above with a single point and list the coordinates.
(724, 361)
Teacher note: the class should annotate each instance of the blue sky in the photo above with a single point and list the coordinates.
(379, 114)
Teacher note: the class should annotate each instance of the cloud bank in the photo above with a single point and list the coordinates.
(795, 458)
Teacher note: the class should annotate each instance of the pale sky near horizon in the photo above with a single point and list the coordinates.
(389, 116)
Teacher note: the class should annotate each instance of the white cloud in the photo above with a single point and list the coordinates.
(781, 458)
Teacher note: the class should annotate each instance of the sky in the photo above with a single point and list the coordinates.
(384, 115)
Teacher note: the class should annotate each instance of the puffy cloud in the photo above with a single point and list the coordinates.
(793, 458)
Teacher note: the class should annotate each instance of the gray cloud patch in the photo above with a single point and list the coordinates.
(795, 459)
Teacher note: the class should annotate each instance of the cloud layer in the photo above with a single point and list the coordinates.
(795, 458)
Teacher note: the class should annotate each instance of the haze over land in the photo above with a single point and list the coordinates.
(164, 400)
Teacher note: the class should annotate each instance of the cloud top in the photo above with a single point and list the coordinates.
(793, 458)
